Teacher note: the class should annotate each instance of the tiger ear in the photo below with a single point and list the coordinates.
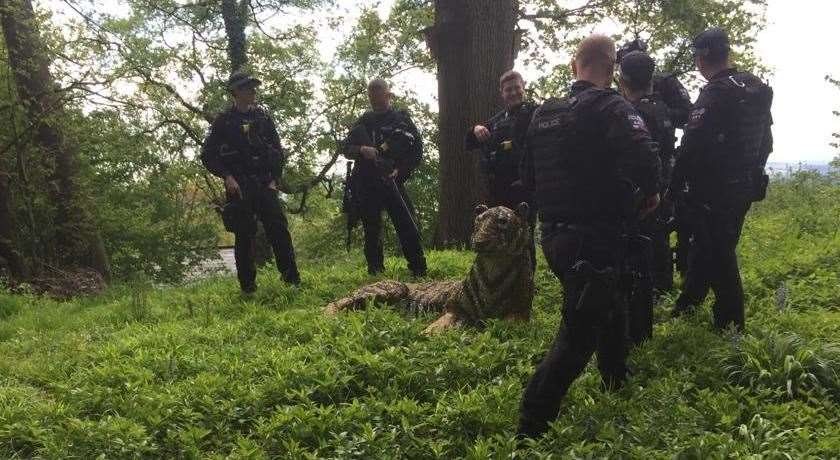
(480, 209)
(523, 210)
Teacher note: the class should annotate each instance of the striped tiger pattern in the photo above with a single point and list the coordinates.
(500, 283)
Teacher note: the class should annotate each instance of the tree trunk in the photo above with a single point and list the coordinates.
(473, 41)
(77, 239)
(235, 17)
(8, 243)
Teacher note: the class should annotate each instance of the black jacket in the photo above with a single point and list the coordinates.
(657, 117)
(503, 126)
(244, 145)
(580, 151)
(374, 124)
(675, 96)
(728, 137)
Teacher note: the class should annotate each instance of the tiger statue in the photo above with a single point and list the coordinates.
(500, 283)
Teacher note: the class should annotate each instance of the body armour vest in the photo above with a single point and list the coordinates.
(658, 119)
(247, 150)
(575, 176)
(502, 154)
(746, 139)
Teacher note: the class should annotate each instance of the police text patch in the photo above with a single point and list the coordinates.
(695, 119)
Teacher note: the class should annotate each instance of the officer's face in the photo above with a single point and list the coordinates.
(513, 92)
(380, 98)
(245, 95)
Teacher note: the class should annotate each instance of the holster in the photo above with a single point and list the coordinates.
(238, 217)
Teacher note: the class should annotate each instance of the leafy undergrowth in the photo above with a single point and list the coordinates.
(197, 371)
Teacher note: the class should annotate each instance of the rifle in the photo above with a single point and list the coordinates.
(397, 141)
(348, 205)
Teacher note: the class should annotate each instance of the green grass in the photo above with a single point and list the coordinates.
(196, 371)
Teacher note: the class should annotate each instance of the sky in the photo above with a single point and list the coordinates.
(799, 45)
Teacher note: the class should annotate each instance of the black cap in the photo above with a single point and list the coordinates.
(637, 68)
(636, 45)
(713, 43)
(240, 79)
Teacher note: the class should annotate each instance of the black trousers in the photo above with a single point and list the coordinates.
(641, 281)
(260, 202)
(713, 262)
(600, 325)
(377, 197)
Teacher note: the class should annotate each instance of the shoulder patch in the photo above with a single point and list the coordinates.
(637, 123)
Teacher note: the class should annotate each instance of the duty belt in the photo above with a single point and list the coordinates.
(586, 230)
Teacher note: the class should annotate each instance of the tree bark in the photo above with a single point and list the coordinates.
(234, 15)
(9, 252)
(77, 239)
(473, 42)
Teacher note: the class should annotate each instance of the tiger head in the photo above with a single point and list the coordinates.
(500, 230)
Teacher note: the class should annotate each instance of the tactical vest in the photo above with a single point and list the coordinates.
(658, 119)
(750, 115)
(574, 175)
(502, 154)
(499, 146)
(245, 150)
(391, 134)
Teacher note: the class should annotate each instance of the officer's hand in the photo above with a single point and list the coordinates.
(394, 174)
(649, 205)
(272, 185)
(232, 186)
(481, 133)
(368, 153)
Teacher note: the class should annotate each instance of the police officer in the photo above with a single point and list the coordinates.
(592, 164)
(386, 154)
(672, 92)
(723, 153)
(501, 140)
(666, 85)
(244, 149)
(655, 263)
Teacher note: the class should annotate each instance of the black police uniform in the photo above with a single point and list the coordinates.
(723, 153)
(246, 146)
(374, 193)
(501, 157)
(672, 92)
(579, 149)
(658, 257)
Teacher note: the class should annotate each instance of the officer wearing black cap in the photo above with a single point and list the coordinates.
(387, 148)
(666, 85)
(723, 153)
(243, 148)
(669, 89)
(654, 265)
(501, 141)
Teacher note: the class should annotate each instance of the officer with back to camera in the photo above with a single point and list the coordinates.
(592, 164)
(723, 153)
(654, 264)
